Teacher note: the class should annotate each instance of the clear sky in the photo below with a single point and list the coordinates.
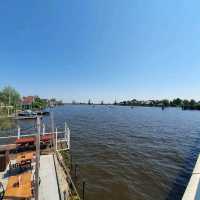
(101, 49)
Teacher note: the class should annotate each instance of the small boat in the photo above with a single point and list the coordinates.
(27, 113)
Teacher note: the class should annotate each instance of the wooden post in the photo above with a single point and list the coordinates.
(83, 190)
(71, 165)
(37, 160)
(75, 173)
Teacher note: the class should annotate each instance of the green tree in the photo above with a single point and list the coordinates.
(39, 103)
(192, 102)
(165, 102)
(186, 102)
(177, 102)
(10, 96)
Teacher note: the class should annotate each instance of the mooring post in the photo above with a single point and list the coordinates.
(56, 139)
(71, 165)
(18, 132)
(68, 139)
(75, 173)
(83, 190)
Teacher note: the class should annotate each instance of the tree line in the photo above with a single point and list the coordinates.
(177, 102)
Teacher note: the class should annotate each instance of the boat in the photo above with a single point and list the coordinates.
(27, 113)
(32, 167)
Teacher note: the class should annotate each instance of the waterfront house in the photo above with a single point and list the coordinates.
(27, 102)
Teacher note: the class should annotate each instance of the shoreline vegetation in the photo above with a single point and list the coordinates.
(177, 102)
(184, 104)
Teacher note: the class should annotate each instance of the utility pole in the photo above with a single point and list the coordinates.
(37, 159)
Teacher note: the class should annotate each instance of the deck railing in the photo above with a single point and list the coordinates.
(59, 136)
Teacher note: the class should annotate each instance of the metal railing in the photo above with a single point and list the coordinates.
(60, 136)
(72, 188)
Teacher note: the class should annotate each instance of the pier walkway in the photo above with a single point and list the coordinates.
(48, 189)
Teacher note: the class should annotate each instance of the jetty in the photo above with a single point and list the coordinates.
(32, 166)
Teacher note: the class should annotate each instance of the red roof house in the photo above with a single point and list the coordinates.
(27, 102)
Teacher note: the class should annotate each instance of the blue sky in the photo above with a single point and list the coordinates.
(101, 49)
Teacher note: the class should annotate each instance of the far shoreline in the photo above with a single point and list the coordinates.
(184, 108)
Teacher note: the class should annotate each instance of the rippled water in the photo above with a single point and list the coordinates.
(127, 154)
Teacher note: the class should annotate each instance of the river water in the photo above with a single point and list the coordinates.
(139, 153)
(126, 154)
